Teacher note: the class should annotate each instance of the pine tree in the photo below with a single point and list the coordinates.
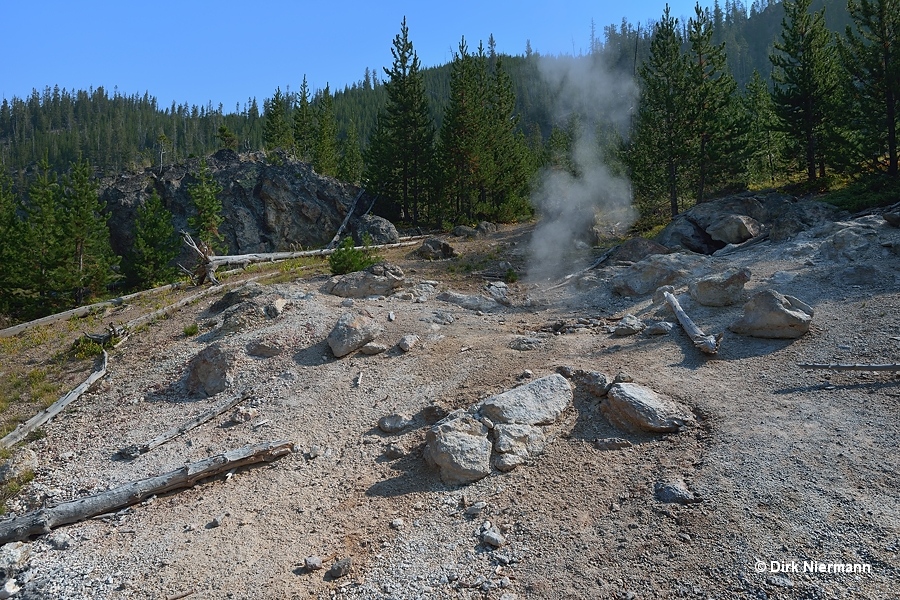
(88, 259)
(43, 238)
(712, 93)
(408, 133)
(304, 125)
(351, 163)
(764, 140)
(12, 249)
(226, 138)
(805, 82)
(205, 196)
(660, 148)
(326, 155)
(276, 131)
(871, 55)
(155, 245)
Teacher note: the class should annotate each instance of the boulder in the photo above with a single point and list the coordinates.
(539, 402)
(633, 407)
(436, 249)
(636, 249)
(378, 230)
(264, 348)
(394, 423)
(408, 342)
(734, 229)
(674, 491)
(721, 289)
(465, 231)
(246, 292)
(595, 383)
(458, 445)
(628, 325)
(211, 371)
(486, 227)
(769, 314)
(351, 332)
(645, 276)
(515, 443)
(377, 280)
(683, 232)
(469, 301)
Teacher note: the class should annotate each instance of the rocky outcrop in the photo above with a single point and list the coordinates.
(377, 280)
(721, 289)
(645, 276)
(769, 314)
(351, 332)
(268, 205)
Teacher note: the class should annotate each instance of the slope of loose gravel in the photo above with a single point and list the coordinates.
(792, 465)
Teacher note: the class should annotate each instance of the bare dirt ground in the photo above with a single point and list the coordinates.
(793, 466)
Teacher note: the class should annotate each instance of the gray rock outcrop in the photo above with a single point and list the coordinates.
(458, 445)
(720, 289)
(769, 314)
(633, 407)
(539, 402)
(645, 276)
(351, 332)
(436, 249)
(469, 301)
(734, 229)
(377, 280)
(211, 371)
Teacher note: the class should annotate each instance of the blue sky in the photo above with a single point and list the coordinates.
(228, 51)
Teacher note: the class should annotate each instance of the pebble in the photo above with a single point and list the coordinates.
(394, 423)
(313, 563)
(394, 451)
(494, 538)
(397, 523)
(391, 316)
(475, 509)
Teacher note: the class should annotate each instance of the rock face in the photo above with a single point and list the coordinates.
(632, 407)
(722, 289)
(647, 275)
(769, 314)
(211, 371)
(352, 332)
(378, 280)
(539, 402)
(734, 229)
(458, 445)
(267, 207)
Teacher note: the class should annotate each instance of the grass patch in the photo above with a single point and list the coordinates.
(191, 330)
(872, 191)
(11, 489)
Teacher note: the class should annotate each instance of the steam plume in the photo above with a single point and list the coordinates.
(569, 205)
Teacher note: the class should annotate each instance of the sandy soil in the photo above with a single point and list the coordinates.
(793, 466)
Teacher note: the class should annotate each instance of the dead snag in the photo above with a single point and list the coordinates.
(45, 520)
(20, 432)
(708, 344)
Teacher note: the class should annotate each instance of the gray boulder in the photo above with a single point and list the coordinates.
(721, 289)
(684, 232)
(633, 407)
(458, 445)
(465, 231)
(769, 314)
(469, 301)
(436, 249)
(645, 276)
(378, 280)
(211, 371)
(734, 229)
(628, 325)
(539, 402)
(637, 249)
(378, 230)
(351, 332)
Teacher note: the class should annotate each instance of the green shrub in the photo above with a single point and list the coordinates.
(191, 330)
(347, 259)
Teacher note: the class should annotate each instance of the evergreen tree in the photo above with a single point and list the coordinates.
(408, 133)
(276, 131)
(43, 238)
(304, 125)
(155, 245)
(660, 150)
(12, 248)
(326, 155)
(205, 196)
(805, 82)
(712, 90)
(764, 140)
(226, 138)
(88, 259)
(351, 163)
(871, 55)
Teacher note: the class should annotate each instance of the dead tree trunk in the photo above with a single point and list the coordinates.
(45, 520)
(20, 432)
(708, 344)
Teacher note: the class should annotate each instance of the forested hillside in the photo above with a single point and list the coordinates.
(668, 114)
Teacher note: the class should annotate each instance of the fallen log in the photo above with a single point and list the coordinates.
(45, 520)
(135, 450)
(708, 344)
(21, 432)
(337, 236)
(568, 278)
(851, 367)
